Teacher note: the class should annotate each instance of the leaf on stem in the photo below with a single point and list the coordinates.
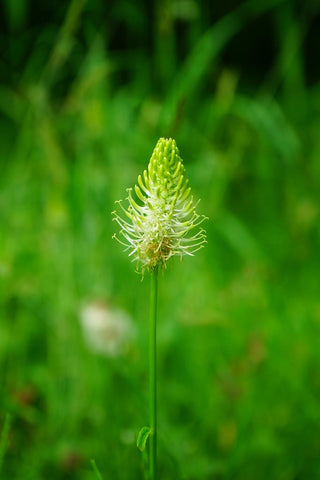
(95, 469)
(143, 437)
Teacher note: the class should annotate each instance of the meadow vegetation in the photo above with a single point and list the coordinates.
(86, 90)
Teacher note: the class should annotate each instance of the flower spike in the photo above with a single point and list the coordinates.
(160, 221)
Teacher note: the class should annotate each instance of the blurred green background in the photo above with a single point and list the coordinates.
(86, 90)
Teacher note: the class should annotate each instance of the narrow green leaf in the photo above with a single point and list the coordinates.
(143, 437)
(95, 469)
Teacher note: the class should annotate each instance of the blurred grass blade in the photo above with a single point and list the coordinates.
(4, 438)
(269, 121)
(205, 51)
(16, 13)
(239, 237)
(64, 44)
(143, 437)
(96, 470)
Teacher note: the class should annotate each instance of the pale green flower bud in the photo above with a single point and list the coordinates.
(161, 220)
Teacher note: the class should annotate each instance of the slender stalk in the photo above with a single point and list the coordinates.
(4, 438)
(153, 374)
(96, 470)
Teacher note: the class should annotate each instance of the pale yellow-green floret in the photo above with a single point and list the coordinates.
(160, 221)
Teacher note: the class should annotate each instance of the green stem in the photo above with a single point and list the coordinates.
(153, 373)
(4, 438)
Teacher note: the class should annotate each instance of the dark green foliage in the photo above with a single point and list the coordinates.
(86, 90)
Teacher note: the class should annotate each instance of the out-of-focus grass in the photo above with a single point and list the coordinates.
(239, 323)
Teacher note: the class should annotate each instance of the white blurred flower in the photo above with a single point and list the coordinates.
(106, 330)
(127, 437)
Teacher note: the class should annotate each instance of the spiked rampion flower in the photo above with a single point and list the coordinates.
(161, 221)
